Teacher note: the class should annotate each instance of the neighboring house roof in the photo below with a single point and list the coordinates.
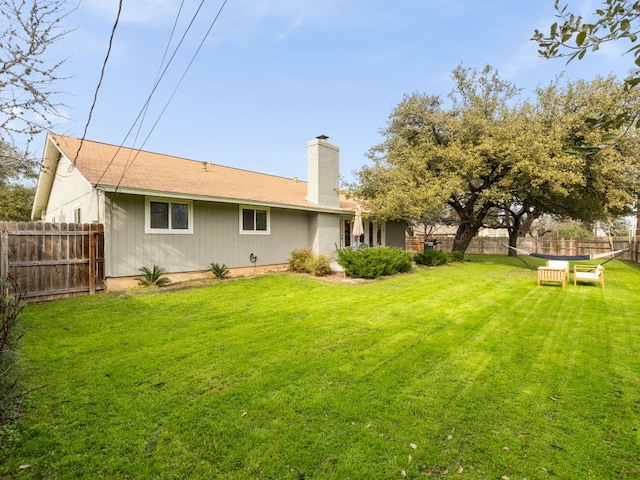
(127, 170)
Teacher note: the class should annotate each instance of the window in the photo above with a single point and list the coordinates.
(168, 216)
(254, 220)
(76, 214)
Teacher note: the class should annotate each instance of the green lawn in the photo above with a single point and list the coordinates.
(467, 371)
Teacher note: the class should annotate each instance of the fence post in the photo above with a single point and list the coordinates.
(92, 260)
(4, 255)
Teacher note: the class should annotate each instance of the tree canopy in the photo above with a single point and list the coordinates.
(16, 193)
(28, 28)
(573, 36)
(493, 161)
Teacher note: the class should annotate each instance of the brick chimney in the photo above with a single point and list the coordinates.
(323, 173)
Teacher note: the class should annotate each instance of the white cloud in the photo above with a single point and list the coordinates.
(244, 21)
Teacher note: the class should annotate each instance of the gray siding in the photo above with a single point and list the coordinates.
(215, 238)
(395, 233)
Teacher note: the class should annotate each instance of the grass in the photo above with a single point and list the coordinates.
(468, 370)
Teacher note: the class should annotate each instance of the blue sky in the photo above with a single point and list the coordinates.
(274, 74)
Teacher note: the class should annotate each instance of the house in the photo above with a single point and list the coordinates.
(184, 215)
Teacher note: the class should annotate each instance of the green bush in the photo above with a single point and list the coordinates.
(300, 259)
(431, 258)
(320, 265)
(572, 231)
(455, 257)
(374, 262)
(303, 260)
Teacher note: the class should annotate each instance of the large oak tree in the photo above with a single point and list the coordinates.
(492, 160)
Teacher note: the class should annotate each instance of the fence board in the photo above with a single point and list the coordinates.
(548, 246)
(53, 260)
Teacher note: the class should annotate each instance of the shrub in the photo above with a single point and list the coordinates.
(431, 258)
(455, 257)
(219, 271)
(11, 306)
(300, 259)
(303, 260)
(153, 277)
(319, 266)
(374, 262)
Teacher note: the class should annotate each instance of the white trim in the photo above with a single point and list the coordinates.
(235, 201)
(254, 208)
(170, 201)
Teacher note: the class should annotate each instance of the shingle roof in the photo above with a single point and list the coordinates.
(111, 166)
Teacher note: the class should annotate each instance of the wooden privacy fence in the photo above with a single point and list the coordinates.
(550, 246)
(53, 260)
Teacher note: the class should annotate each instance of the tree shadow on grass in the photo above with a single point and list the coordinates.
(530, 263)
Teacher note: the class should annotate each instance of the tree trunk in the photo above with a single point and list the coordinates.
(513, 236)
(525, 227)
(464, 235)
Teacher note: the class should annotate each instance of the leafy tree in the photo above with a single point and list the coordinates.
(608, 179)
(470, 158)
(581, 182)
(16, 194)
(496, 163)
(15, 202)
(27, 96)
(572, 36)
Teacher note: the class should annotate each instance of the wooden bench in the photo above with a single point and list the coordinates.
(550, 274)
(588, 273)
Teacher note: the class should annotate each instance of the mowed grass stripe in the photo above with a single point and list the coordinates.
(290, 377)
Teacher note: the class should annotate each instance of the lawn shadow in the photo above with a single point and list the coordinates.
(530, 263)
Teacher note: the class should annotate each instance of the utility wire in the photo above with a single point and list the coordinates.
(95, 96)
(153, 90)
(127, 167)
(164, 57)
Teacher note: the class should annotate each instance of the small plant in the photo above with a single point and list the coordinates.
(153, 277)
(431, 258)
(303, 260)
(219, 271)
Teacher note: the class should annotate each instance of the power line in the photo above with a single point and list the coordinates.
(153, 90)
(95, 96)
(127, 167)
(164, 57)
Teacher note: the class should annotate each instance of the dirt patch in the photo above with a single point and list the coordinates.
(335, 277)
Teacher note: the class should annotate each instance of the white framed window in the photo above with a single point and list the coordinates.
(255, 220)
(163, 215)
(77, 218)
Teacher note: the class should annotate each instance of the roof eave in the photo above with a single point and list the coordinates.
(48, 168)
(206, 198)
